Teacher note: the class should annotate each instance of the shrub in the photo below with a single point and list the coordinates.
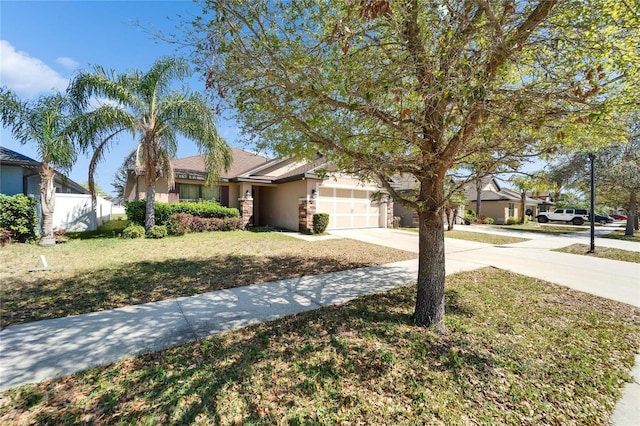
(231, 224)
(164, 211)
(489, 220)
(469, 217)
(481, 219)
(320, 222)
(133, 231)
(206, 209)
(180, 223)
(18, 215)
(157, 231)
(5, 236)
(59, 234)
(135, 211)
(198, 224)
(513, 220)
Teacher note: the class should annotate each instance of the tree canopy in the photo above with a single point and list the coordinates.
(147, 105)
(384, 88)
(49, 124)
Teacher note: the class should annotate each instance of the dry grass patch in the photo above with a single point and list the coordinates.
(478, 237)
(518, 351)
(483, 238)
(603, 252)
(105, 273)
(618, 234)
(542, 229)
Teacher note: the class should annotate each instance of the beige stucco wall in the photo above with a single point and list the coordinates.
(347, 181)
(278, 205)
(499, 211)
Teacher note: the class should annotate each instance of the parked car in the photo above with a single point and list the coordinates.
(619, 217)
(575, 216)
(602, 219)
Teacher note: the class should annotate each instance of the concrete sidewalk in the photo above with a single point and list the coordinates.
(51, 348)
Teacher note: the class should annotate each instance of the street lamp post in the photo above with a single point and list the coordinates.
(592, 247)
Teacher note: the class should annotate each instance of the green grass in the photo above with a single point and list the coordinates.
(542, 229)
(483, 238)
(517, 351)
(618, 234)
(101, 272)
(603, 252)
(478, 237)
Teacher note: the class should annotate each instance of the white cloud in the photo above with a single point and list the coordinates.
(67, 62)
(26, 75)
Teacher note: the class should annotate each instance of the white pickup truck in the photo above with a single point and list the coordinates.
(575, 216)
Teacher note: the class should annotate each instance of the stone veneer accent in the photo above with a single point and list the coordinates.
(306, 210)
(390, 214)
(246, 211)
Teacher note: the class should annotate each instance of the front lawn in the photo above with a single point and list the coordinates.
(618, 234)
(104, 273)
(603, 252)
(542, 229)
(518, 351)
(478, 237)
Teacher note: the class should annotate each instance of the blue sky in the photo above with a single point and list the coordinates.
(43, 43)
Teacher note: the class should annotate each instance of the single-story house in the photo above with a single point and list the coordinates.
(282, 193)
(501, 203)
(20, 174)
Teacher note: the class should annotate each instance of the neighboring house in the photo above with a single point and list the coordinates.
(280, 193)
(20, 174)
(501, 203)
(408, 218)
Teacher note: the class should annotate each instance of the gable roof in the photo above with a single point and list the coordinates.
(8, 156)
(249, 167)
(283, 170)
(242, 161)
(13, 158)
(492, 191)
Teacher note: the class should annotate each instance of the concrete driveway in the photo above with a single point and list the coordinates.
(611, 279)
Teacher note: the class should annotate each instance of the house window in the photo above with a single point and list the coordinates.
(189, 192)
(211, 192)
(512, 207)
(194, 192)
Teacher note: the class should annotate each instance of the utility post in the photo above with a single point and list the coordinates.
(592, 247)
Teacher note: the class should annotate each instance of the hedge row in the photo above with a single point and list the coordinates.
(136, 211)
(18, 216)
(181, 223)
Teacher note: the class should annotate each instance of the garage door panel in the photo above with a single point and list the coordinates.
(348, 208)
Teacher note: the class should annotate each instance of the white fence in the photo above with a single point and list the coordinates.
(73, 212)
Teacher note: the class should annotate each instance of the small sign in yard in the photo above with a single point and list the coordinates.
(45, 266)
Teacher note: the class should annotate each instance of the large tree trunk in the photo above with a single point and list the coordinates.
(429, 309)
(150, 210)
(47, 205)
(632, 216)
(478, 196)
(523, 198)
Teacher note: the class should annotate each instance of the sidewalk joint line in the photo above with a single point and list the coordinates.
(193, 332)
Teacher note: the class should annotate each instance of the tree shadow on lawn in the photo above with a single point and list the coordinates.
(272, 371)
(142, 282)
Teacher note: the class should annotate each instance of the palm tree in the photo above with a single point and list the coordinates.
(48, 123)
(160, 114)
